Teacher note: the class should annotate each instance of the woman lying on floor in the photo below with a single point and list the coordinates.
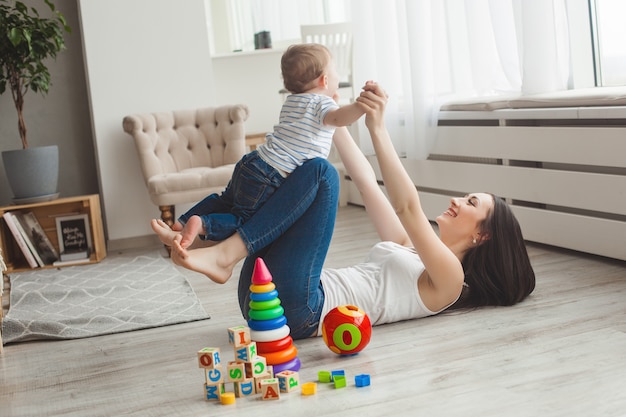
(479, 257)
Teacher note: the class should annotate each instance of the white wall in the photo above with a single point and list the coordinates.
(140, 56)
(254, 79)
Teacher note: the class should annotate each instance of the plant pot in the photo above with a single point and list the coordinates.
(33, 173)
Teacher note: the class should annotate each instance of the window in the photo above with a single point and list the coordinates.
(234, 22)
(608, 33)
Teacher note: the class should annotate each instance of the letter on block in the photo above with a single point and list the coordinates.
(236, 371)
(239, 336)
(214, 376)
(245, 388)
(256, 367)
(245, 353)
(288, 381)
(269, 389)
(213, 392)
(209, 358)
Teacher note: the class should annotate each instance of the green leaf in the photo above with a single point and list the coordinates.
(15, 36)
(21, 7)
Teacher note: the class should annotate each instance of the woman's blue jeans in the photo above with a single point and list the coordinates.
(253, 182)
(292, 233)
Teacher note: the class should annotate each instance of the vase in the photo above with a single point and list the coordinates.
(33, 173)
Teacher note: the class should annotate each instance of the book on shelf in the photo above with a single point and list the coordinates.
(37, 236)
(74, 255)
(12, 223)
(72, 262)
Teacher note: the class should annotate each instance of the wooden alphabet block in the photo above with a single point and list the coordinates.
(288, 381)
(236, 371)
(239, 336)
(209, 358)
(256, 367)
(245, 353)
(245, 388)
(213, 392)
(214, 376)
(260, 378)
(269, 389)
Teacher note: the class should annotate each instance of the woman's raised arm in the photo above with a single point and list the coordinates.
(378, 208)
(444, 268)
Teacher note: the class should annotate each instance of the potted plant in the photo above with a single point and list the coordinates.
(27, 40)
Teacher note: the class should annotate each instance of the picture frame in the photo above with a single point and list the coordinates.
(74, 234)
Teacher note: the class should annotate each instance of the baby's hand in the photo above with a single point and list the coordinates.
(336, 97)
(369, 85)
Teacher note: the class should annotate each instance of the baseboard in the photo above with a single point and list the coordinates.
(134, 242)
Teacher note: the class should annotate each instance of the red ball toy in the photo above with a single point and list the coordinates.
(346, 330)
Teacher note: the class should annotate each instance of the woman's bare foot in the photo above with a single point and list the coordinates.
(192, 229)
(208, 261)
(166, 235)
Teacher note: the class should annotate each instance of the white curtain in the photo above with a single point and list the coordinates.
(427, 51)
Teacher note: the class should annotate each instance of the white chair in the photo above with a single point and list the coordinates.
(337, 37)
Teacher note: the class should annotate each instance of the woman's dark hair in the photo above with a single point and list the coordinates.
(497, 271)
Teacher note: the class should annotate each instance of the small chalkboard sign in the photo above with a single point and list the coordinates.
(74, 235)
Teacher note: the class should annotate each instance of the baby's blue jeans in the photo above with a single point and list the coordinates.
(252, 184)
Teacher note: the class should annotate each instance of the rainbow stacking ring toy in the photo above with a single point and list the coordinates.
(268, 324)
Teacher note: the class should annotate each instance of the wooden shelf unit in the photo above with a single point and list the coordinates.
(46, 213)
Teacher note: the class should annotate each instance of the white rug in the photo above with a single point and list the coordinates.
(119, 294)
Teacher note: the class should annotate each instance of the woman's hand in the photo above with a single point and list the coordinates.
(373, 100)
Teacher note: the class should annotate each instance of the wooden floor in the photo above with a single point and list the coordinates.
(560, 353)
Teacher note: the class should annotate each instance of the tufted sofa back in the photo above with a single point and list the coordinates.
(187, 154)
(169, 142)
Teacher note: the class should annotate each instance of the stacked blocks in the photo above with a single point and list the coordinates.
(268, 324)
(248, 369)
(249, 372)
(209, 360)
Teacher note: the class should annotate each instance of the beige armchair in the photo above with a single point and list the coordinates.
(187, 154)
